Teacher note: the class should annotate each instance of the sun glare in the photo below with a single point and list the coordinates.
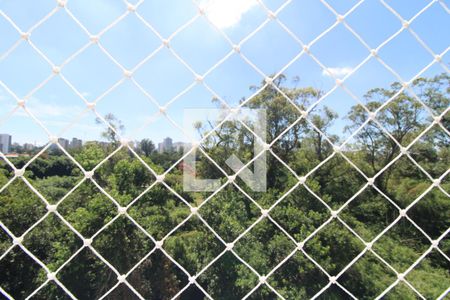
(227, 13)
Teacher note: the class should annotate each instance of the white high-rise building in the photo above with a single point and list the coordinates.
(5, 143)
(166, 145)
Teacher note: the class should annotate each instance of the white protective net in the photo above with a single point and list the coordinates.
(95, 40)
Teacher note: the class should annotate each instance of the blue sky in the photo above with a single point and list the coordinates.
(201, 46)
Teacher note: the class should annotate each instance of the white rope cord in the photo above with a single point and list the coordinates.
(95, 40)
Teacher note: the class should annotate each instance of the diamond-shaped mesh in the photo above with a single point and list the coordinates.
(137, 226)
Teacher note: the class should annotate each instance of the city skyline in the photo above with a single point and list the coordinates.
(7, 143)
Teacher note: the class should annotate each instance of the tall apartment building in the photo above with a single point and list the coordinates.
(166, 145)
(64, 143)
(75, 143)
(5, 143)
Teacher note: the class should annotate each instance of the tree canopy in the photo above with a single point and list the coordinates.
(369, 214)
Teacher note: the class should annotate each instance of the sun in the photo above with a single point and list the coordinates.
(227, 13)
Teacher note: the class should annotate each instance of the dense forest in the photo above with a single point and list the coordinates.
(332, 211)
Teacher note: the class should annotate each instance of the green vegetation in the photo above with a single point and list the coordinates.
(230, 212)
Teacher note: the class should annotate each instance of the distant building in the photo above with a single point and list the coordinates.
(166, 145)
(28, 147)
(75, 143)
(180, 146)
(5, 143)
(64, 143)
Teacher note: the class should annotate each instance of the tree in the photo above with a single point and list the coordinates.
(113, 128)
(147, 147)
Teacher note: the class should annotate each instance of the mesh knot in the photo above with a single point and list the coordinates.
(51, 276)
(304, 113)
(87, 242)
(199, 78)
(437, 119)
(436, 182)
(53, 139)
(122, 278)
(52, 207)
(62, 3)
(235, 110)
(160, 178)
(162, 109)
(18, 240)
(195, 144)
(229, 246)
(201, 11)
(192, 279)
(25, 36)
(127, 73)
(94, 39)
(159, 244)
(56, 70)
(122, 210)
(231, 178)
(271, 15)
(131, 7)
(124, 142)
(306, 49)
(19, 172)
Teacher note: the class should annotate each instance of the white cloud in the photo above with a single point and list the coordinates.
(226, 13)
(337, 72)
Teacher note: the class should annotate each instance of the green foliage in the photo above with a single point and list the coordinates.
(91, 209)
